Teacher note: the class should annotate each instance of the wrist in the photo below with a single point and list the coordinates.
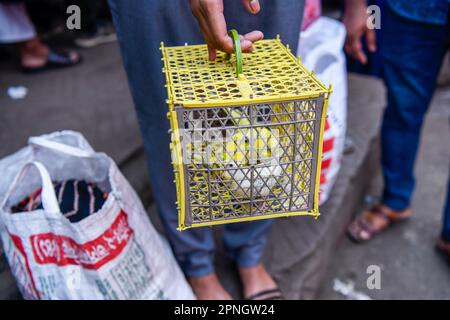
(355, 10)
(355, 6)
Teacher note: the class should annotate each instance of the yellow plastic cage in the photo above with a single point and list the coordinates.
(246, 133)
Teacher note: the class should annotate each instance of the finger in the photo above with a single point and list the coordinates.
(218, 33)
(248, 39)
(246, 46)
(348, 47)
(212, 54)
(224, 43)
(371, 40)
(208, 39)
(214, 18)
(354, 49)
(195, 7)
(252, 6)
(254, 36)
(358, 52)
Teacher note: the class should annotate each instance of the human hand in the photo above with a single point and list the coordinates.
(209, 14)
(355, 21)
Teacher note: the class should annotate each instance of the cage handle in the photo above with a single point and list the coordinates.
(237, 51)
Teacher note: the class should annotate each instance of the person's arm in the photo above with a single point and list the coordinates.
(355, 20)
(209, 14)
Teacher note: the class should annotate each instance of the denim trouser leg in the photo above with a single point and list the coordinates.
(141, 25)
(412, 56)
(246, 245)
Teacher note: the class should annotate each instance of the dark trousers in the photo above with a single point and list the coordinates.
(412, 57)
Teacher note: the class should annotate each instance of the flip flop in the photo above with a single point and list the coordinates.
(269, 294)
(55, 60)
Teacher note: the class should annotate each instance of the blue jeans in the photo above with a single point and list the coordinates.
(141, 25)
(412, 57)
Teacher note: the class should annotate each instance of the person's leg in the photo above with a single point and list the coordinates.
(245, 243)
(443, 243)
(411, 58)
(94, 31)
(446, 223)
(36, 56)
(141, 26)
(89, 12)
(17, 27)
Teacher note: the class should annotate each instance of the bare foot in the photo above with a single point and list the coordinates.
(208, 288)
(33, 53)
(256, 279)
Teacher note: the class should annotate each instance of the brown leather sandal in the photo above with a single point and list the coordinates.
(443, 247)
(373, 221)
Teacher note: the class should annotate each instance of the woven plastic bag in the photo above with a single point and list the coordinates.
(321, 49)
(114, 253)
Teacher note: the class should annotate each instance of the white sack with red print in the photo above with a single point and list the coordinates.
(114, 253)
(321, 50)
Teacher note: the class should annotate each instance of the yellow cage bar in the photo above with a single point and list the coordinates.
(246, 133)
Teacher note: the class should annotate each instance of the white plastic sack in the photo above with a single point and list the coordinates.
(321, 49)
(114, 253)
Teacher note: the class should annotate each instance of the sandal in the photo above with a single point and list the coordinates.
(270, 294)
(374, 221)
(55, 60)
(443, 247)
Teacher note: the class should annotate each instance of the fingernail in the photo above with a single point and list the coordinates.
(253, 5)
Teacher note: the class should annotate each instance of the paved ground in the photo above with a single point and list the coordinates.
(411, 269)
(92, 98)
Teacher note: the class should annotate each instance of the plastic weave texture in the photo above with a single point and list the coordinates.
(244, 146)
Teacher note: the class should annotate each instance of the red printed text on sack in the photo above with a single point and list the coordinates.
(50, 248)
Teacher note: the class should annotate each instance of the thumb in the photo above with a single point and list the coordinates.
(252, 6)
